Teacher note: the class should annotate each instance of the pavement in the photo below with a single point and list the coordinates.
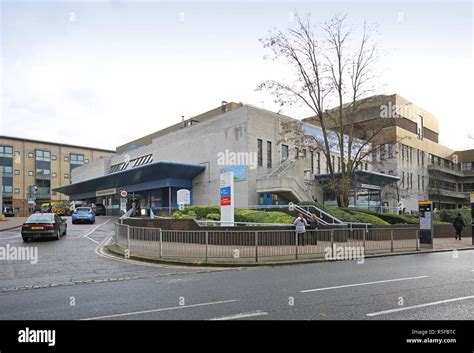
(71, 280)
(11, 223)
(451, 243)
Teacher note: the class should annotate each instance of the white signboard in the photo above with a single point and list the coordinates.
(227, 198)
(123, 204)
(105, 192)
(184, 196)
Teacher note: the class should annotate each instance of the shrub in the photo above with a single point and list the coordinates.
(201, 211)
(448, 216)
(390, 218)
(180, 215)
(349, 215)
(214, 216)
(244, 215)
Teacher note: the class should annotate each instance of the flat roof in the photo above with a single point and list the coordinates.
(54, 143)
(151, 172)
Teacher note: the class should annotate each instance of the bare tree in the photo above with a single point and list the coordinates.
(330, 67)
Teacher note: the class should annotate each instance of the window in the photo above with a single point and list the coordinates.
(366, 166)
(54, 175)
(318, 163)
(17, 172)
(284, 152)
(419, 182)
(269, 154)
(390, 151)
(30, 173)
(333, 163)
(6, 151)
(374, 156)
(7, 171)
(54, 157)
(66, 176)
(423, 182)
(30, 154)
(402, 147)
(44, 156)
(403, 179)
(422, 158)
(382, 153)
(7, 189)
(338, 164)
(17, 191)
(76, 160)
(260, 152)
(419, 127)
(86, 161)
(66, 158)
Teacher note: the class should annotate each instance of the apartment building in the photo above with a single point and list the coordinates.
(410, 149)
(47, 165)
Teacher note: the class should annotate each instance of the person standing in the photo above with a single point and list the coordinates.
(459, 225)
(134, 207)
(300, 224)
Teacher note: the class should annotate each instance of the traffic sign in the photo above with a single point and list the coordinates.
(123, 193)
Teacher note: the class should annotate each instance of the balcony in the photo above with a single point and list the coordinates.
(452, 170)
(447, 192)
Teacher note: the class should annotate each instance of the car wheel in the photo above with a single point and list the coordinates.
(58, 235)
(26, 240)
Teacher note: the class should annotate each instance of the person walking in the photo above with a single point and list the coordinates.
(300, 224)
(459, 225)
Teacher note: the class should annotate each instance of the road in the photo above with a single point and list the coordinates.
(72, 281)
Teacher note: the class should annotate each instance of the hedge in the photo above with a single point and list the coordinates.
(448, 216)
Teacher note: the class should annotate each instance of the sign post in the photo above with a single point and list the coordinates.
(425, 209)
(472, 217)
(123, 200)
(183, 197)
(1, 190)
(227, 198)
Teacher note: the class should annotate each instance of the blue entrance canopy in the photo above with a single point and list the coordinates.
(147, 174)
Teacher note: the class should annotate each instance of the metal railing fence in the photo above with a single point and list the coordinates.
(261, 245)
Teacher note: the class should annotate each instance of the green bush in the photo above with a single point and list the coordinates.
(201, 211)
(448, 216)
(245, 215)
(180, 215)
(214, 216)
(390, 218)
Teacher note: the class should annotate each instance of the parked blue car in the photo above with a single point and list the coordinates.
(83, 215)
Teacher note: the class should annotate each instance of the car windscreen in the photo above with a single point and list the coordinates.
(41, 218)
(83, 209)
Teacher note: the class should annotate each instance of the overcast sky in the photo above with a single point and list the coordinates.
(102, 73)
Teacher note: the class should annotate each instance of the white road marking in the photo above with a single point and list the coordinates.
(95, 241)
(158, 310)
(16, 236)
(419, 306)
(92, 230)
(363, 284)
(240, 316)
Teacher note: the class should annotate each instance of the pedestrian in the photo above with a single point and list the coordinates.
(300, 224)
(459, 225)
(313, 221)
(134, 208)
